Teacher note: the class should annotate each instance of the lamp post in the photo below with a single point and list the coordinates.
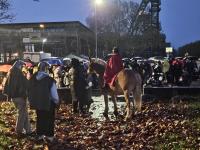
(43, 41)
(41, 26)
(42, 32)
(97, 2)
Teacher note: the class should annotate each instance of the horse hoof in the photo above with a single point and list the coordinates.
(116, 113)
(127, 119)
(107, 119)
(105, 115)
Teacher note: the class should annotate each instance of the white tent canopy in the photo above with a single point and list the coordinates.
(70, 56)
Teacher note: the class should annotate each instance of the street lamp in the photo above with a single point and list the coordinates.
(43, 41)
(97, 2)
(42, 26)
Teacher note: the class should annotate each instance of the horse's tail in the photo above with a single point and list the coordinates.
(137, 92)
(138, 98)
(138, 79)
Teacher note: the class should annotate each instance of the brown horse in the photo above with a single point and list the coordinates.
(127, 82)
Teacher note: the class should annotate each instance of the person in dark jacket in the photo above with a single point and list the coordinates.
(16, 89)
(43, 97)
(78, 86)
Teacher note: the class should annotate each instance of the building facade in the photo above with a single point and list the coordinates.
(57, 38)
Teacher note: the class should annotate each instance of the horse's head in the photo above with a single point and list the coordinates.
(96, 66)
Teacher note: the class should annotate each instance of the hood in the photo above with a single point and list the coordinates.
(18, 64)
(41, 75)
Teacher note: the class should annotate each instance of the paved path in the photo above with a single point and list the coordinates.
(97, 107)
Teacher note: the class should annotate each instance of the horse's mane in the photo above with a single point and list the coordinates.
(99, 61)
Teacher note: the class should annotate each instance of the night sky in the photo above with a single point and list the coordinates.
(180, 19)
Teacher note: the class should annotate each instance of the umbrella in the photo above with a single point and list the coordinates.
(5, 68)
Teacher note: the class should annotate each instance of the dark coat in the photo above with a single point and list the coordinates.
(39, 92)
(79, 83)
(16, 84)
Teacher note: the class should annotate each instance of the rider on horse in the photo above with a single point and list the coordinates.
(113, 67)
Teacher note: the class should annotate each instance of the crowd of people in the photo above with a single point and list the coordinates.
(169, 72)
(41, 92)
(38, 85)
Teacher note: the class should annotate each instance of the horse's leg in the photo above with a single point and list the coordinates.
(115, 105)
(128, 105)
(137, 93)
(105, 114)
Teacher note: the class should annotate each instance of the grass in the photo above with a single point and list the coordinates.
(171, 141)
(5, 141)
(176, 141)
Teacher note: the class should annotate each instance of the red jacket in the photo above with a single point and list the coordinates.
(114, 66)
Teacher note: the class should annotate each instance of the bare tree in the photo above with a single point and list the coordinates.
(113, 23)
(113, 26)
(115, 16)
(5, 8)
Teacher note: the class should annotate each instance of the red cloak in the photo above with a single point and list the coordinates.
(113, 67)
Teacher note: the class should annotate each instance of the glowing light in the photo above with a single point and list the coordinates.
(41, 25)
(98, 2)
(44, 40)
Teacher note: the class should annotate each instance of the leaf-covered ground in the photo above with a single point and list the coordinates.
(158, 126)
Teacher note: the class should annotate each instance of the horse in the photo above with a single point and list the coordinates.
(127, 82)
